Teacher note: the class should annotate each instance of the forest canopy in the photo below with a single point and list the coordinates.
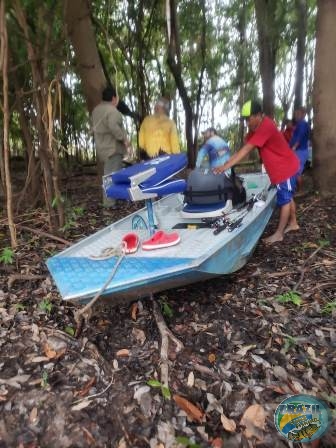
(206, 56)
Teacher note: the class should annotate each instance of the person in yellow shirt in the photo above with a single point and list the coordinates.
(158, 133)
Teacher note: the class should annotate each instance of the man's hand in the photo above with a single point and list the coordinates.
(219, 169)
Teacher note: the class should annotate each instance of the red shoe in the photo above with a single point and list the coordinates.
(130, 242)
(161, 239)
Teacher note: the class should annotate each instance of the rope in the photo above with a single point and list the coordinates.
(106, 253)
(84, 311)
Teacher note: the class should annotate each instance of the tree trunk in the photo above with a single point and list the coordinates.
(324, 99)
(175, 64)
(241, 70)
(265, 16)
(82, 37)
(301, 11)
(47, 155)
(89, 65)
(8, 183)
(31, 190)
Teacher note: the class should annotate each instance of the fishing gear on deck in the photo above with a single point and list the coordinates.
(224, 222)
(221, 224)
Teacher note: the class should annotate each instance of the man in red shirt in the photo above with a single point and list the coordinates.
(281, 164)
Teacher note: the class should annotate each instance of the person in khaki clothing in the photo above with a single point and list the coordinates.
(110, 137)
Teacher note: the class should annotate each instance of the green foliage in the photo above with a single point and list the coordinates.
(70, 330)
(7, 256)
(56, 200)
(289, 343)
(324, 243)
(72, 215)
(164, 389)
(185, 441)
(45, 305)
(45, 379)
(166, 309)
(329, 307)
(289, 297)
(20, 307)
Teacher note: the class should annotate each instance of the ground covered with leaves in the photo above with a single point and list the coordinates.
(249, 341)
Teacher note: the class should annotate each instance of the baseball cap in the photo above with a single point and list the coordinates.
(251, 107)
(209, 130)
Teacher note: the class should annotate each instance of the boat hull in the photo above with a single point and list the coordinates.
(200, 255)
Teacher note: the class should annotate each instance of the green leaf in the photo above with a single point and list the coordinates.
(154, 383)
(183, 440)
(70, 330)
(7, 256)
(289, 343)
(166, 309)
(20, 307)
(166, 392)
(329, 307)
(324, 243)
(44, 382)
(289, 297)
(45, 305)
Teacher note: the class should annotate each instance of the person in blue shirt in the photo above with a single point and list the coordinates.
(299, 141)
(213, 153)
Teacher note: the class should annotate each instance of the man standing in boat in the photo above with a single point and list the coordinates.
(281, 164)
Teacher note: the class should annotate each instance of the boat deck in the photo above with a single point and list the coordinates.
(79, 276)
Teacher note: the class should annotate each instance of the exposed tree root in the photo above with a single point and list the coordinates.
(166, 334)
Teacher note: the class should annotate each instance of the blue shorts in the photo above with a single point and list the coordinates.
(286, 190)
(302, 155)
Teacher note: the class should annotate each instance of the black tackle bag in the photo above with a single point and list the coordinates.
(205, 187)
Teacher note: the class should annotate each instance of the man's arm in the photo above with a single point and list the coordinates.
(297, 136)
(236, 158)
(116, 129)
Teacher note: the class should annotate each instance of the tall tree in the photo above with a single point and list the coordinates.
(89, 64)
(5, 108)
(324, 99)
(82, 37)
(175, 63)
(266, 25)
(301, 13)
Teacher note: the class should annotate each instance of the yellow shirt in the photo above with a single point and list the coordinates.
(158, 132)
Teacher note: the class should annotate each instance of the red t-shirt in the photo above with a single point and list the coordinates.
(288, 134)
(279, 159)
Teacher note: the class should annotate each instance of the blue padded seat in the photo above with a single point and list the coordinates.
(147, 179)
(203, 208)
(166, 167)
(121, 191)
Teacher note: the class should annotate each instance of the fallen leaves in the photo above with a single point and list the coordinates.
(211, 358)
(81, 405)
(15, 381)
(192, 411)
(253, 420)
(123, 353)
(86, 388)
(134, 311)
(228, 424)
(52, 354)
(191, 379)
